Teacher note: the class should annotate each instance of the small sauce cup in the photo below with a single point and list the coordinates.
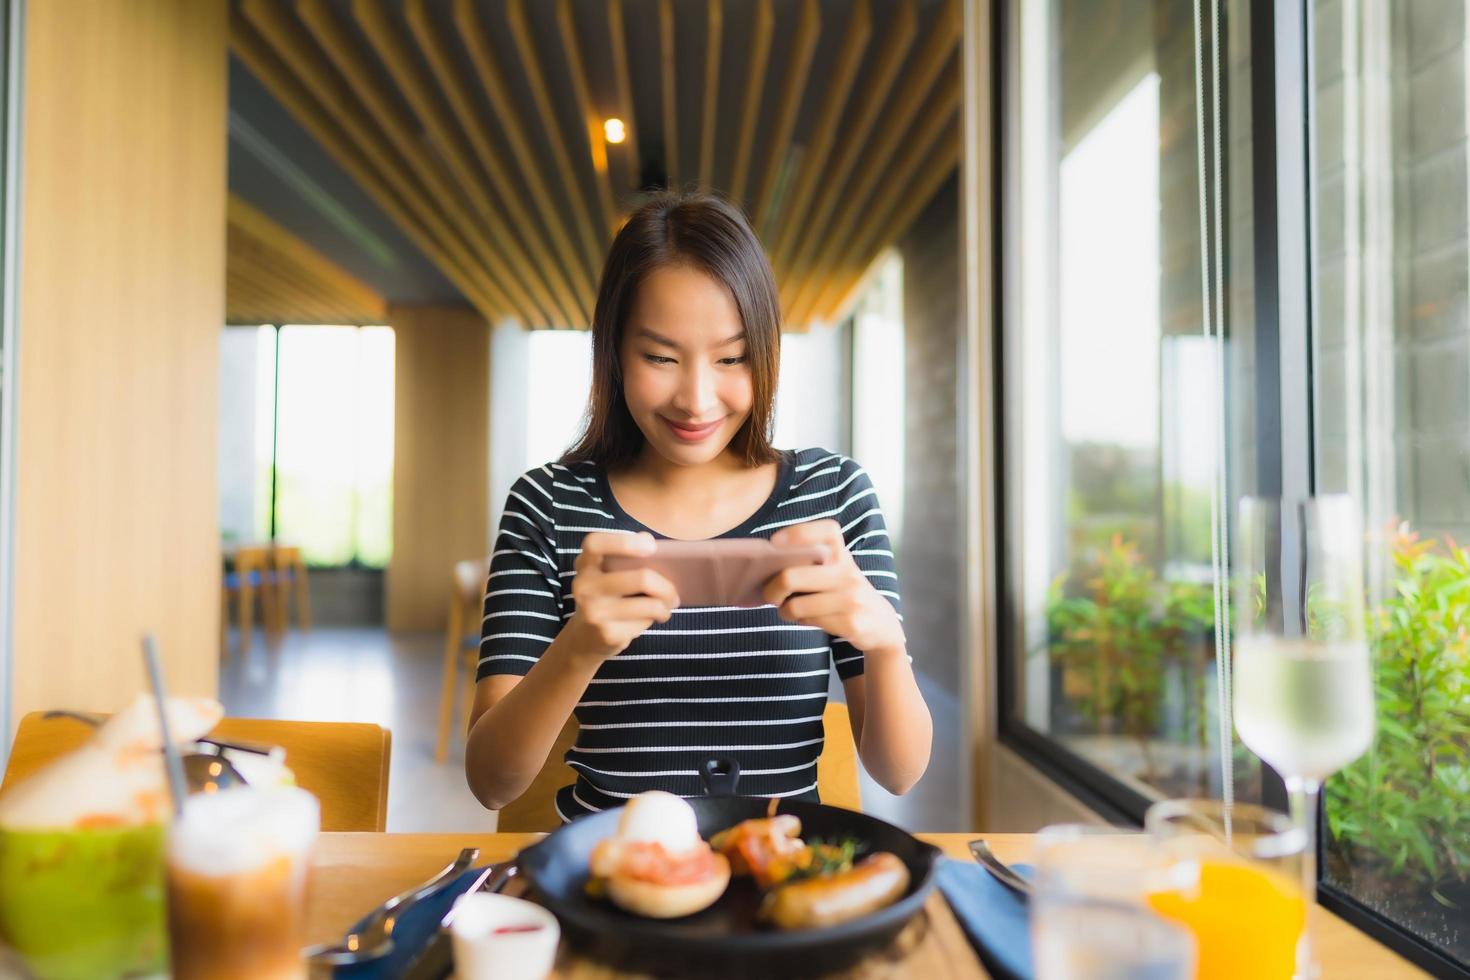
(497, 937)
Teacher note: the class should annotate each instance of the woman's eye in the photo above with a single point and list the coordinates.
(657, 359)
(732, 361)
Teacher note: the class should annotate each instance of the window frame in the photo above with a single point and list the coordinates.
(1282, 143)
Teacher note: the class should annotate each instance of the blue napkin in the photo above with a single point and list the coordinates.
(995, 919)
(410, 933)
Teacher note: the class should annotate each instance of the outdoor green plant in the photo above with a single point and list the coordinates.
(1121, 630)
(1405, 806)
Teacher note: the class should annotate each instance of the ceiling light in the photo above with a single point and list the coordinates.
(614, 131)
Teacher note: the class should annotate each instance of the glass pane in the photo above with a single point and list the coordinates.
(1114, 411)
(1391, 357)
(334, 443)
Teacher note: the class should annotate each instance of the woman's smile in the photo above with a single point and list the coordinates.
(691, 432)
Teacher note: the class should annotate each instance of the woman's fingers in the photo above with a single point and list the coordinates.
(805, 578)
(818, 606)
(824, 532)
(598, 545)
(637, 581)
(640, 610)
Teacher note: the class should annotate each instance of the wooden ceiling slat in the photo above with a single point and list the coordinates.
(851, 132)
(930, 89)
(282, 275)
(246, 222)
(522, 233)
(892, 217)
(544, 233)
(244, 302)
(668, 90)
(755, 85)
(389, 125)
(288, 89)
(519, 246)
(848, 260)
(798, 67)
(936, 113)
(587, 112)
(714, 34)
(798, 198)
(283, 295)
(617, 38)
(591, 228)
(507, 115)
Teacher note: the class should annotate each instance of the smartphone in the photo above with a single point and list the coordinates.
(721, 571)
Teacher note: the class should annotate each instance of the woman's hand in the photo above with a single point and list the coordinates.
(836, 597)
(613, 608)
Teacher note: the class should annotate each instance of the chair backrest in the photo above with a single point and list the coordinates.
(253, 558)
(837, 768)
(344, 764)
(837, 776)
(470, 577)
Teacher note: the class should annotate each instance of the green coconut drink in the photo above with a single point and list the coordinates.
(82, 848)
(85, 904)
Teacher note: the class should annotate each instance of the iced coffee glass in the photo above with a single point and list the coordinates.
(237, 868)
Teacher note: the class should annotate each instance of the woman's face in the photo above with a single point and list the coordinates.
(685, 375)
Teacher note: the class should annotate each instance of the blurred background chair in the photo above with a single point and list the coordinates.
(461, 643)
(837, 776)
(291, 583)
(343, 764)
(249, 572)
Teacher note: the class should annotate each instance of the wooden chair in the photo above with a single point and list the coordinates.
(253, 574)
(290, 577)
(837, 776)
(345, 765)
(461, 644)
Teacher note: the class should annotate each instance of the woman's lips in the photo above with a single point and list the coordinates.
(692, 433)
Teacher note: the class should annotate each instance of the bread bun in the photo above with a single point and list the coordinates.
(655, 901)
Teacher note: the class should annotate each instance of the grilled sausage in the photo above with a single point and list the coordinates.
(871, 884)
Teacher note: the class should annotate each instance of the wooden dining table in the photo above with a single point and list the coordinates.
(352, 872)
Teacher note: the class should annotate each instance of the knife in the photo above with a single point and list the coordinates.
(436, 959)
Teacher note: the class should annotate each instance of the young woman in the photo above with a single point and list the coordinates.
(685, 351)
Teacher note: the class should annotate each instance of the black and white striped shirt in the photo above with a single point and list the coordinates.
(712, 681)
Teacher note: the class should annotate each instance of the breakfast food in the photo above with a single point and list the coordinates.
(824, 900)
(768, 850)
(657, 865)
(809, 884)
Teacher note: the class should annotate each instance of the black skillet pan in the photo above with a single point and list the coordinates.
(724, 939)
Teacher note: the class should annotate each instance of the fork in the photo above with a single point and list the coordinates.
(374, 939)
(436, 958)
(999, 870)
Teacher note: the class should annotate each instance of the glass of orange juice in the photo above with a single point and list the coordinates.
(1234, 881)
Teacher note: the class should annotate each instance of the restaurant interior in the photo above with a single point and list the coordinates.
(1127, 308)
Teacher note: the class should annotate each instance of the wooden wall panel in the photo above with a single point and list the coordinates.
(440, 458)
(122, 296)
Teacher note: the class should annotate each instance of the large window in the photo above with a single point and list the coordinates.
(1114, 391)
(306, 423)
(1230, 271)
(1391, 358)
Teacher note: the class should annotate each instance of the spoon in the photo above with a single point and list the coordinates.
(374, 939)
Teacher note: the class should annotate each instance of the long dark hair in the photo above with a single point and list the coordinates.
(709, 234)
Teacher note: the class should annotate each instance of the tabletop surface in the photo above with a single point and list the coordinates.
(354, 871)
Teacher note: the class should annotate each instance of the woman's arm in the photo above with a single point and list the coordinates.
(892, 728)
(516, 719)
(890, 721)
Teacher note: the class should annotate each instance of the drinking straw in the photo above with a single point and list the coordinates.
(175, 765)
